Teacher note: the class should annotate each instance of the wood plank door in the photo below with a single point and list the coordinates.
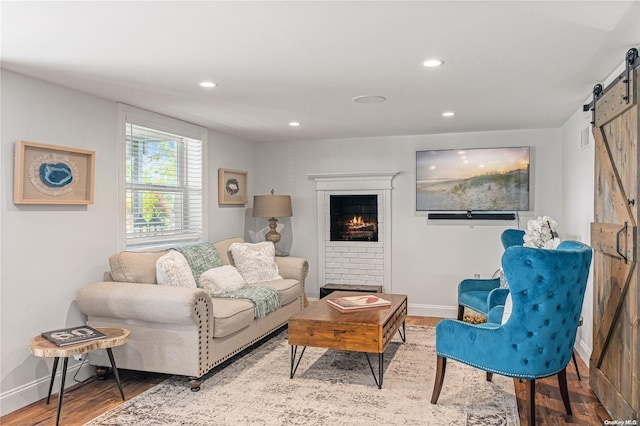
(615, 360)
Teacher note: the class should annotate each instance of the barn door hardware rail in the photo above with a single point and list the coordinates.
(632, 61)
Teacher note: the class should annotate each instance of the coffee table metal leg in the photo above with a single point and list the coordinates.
(380, 369)
(53, 376)
(115, 371)
(294, 365)
(403, 333)
(65, 361)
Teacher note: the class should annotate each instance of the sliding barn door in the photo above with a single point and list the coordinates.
(615, 359)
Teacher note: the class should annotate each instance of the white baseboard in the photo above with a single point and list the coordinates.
(36, 390)
(583, 351)
(437, 311)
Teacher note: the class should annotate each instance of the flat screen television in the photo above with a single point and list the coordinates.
(479, 179)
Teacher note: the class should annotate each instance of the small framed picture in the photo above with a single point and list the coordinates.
(50, 174)
(232, 186)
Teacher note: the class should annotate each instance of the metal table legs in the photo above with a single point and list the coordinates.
(65, 362)
(378, 380)
(115, 371)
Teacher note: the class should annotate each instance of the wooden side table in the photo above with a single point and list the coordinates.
(43, 348)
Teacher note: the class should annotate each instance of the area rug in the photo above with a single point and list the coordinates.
(330, 388)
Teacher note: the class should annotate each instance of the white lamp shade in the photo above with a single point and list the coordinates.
(272, 206)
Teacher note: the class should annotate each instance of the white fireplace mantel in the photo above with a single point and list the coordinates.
(377, 255)
(352, 180)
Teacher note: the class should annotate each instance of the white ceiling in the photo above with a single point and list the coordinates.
(508, 65)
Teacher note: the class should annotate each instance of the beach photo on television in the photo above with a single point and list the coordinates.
(487, 179)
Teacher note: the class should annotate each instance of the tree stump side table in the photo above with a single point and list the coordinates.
(43, 348)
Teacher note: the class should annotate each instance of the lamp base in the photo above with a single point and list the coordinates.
(274, 236)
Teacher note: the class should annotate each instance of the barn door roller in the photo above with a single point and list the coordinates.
(632, 55)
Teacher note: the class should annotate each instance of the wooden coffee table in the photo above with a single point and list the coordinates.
(368, 330)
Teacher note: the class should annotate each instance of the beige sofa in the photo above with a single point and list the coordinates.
(180, 330)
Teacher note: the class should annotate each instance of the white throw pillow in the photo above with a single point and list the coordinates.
(173, 269)
(255, 262)
(503, 279)
(222, 279)
(508, 306)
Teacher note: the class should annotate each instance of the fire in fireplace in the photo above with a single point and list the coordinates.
(354, 217)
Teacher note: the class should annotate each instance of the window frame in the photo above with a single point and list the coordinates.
(128, 114)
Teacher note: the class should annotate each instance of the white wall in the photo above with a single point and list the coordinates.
(577, 208)
(49, 252)
(428, 258)
(226, 221)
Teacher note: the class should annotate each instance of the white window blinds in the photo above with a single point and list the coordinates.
(163, 187)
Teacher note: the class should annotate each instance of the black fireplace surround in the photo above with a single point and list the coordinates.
(354, 217)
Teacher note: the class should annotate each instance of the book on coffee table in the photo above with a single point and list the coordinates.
(69, 336)
(352, 303)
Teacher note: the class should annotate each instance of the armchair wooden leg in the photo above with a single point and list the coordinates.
(437, 385)
(575, 363)
(531, 403)
(564, 391)
(489, 376)
(460, 312)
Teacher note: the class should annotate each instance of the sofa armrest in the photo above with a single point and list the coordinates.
(293, 268)
(144, 302)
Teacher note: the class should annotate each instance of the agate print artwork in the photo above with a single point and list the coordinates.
(51, 174)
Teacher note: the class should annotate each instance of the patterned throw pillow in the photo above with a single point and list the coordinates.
(172, 269)
(223, 279)
(201, 257)
(255, 262)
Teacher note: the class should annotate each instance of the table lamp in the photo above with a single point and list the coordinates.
(272, 206)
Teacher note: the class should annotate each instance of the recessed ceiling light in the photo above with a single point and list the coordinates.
(369, 99)
(430, 63)
(448, 114)
(295, 124)
(208, 84)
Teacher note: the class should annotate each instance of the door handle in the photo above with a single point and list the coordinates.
(618, 234)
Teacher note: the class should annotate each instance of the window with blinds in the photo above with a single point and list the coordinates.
(163, 187)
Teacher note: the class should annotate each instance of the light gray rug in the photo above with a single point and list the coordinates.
(329, 388)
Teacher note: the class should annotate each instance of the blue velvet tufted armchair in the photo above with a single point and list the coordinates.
(547, 288)
(482, 294)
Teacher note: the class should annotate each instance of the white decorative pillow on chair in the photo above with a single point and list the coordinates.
(255, 262)
(222, 279)
(173, 269)
(508, 307)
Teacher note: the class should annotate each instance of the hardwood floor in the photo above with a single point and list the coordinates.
(86, 401)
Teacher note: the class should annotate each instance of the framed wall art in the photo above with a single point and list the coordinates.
(50, 174)
(232, 186)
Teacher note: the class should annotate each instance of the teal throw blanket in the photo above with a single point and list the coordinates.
(265, 299)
